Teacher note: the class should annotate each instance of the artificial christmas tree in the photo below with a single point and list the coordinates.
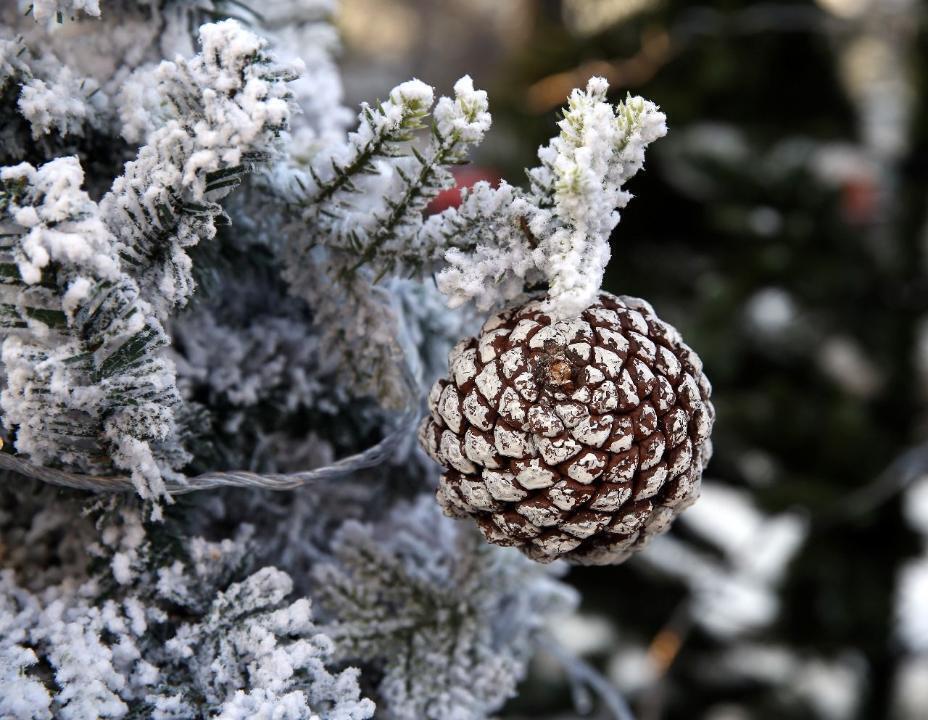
(210, 288)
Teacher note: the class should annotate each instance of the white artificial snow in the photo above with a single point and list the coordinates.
(55, 100)
(598, 150)
(223, 107)
(273, 356)
(500, 265)
(62, 104)
(466, 117)
(20, 696)
(82, 240)
(49, 9)
(450, 619)
(58, 227)
(114, 646)
(560, 231)
(322, 120)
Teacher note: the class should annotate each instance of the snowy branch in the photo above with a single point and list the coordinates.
(171, 635)
(364, 204)
(43, 10)
(220, 115)
(84, 386)
(448, 620)
(559, 231)
(43, 99)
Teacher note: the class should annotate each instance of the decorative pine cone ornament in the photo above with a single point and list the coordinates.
(577, 439)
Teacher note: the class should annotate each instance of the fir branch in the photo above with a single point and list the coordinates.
(86, 387)
(43, 10)
(557, 231)
(382, 132)
(458, 124)
(44, 103)
(358, 246)
(150, 625)
(384, 141)
(218, 116)
(365, 342)
(428, 604)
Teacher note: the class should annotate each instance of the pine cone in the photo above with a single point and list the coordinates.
(576, 439)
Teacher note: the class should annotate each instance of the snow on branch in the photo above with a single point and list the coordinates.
(61, 104)
(138, 629)
(558, 232)
(58, 10)
(42, 98)
(489, 259)
(218, 116)
(20, 695)
(448, 620)
(85, 388)
(370, 358)
(364, 203)
(380, 136)
(457, 125)
(360, 213)
(382, 229)
(254, 655)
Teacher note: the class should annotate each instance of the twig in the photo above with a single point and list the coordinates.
(899, 475)
(666, 645)
(663, 651)
(583, 678)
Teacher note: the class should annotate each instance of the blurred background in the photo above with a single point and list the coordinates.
(782, 227)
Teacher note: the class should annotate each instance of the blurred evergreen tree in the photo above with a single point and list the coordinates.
(791, 253)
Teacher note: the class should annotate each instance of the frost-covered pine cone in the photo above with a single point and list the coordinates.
(576, 439)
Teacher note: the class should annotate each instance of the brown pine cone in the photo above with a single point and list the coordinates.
(577, 439)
